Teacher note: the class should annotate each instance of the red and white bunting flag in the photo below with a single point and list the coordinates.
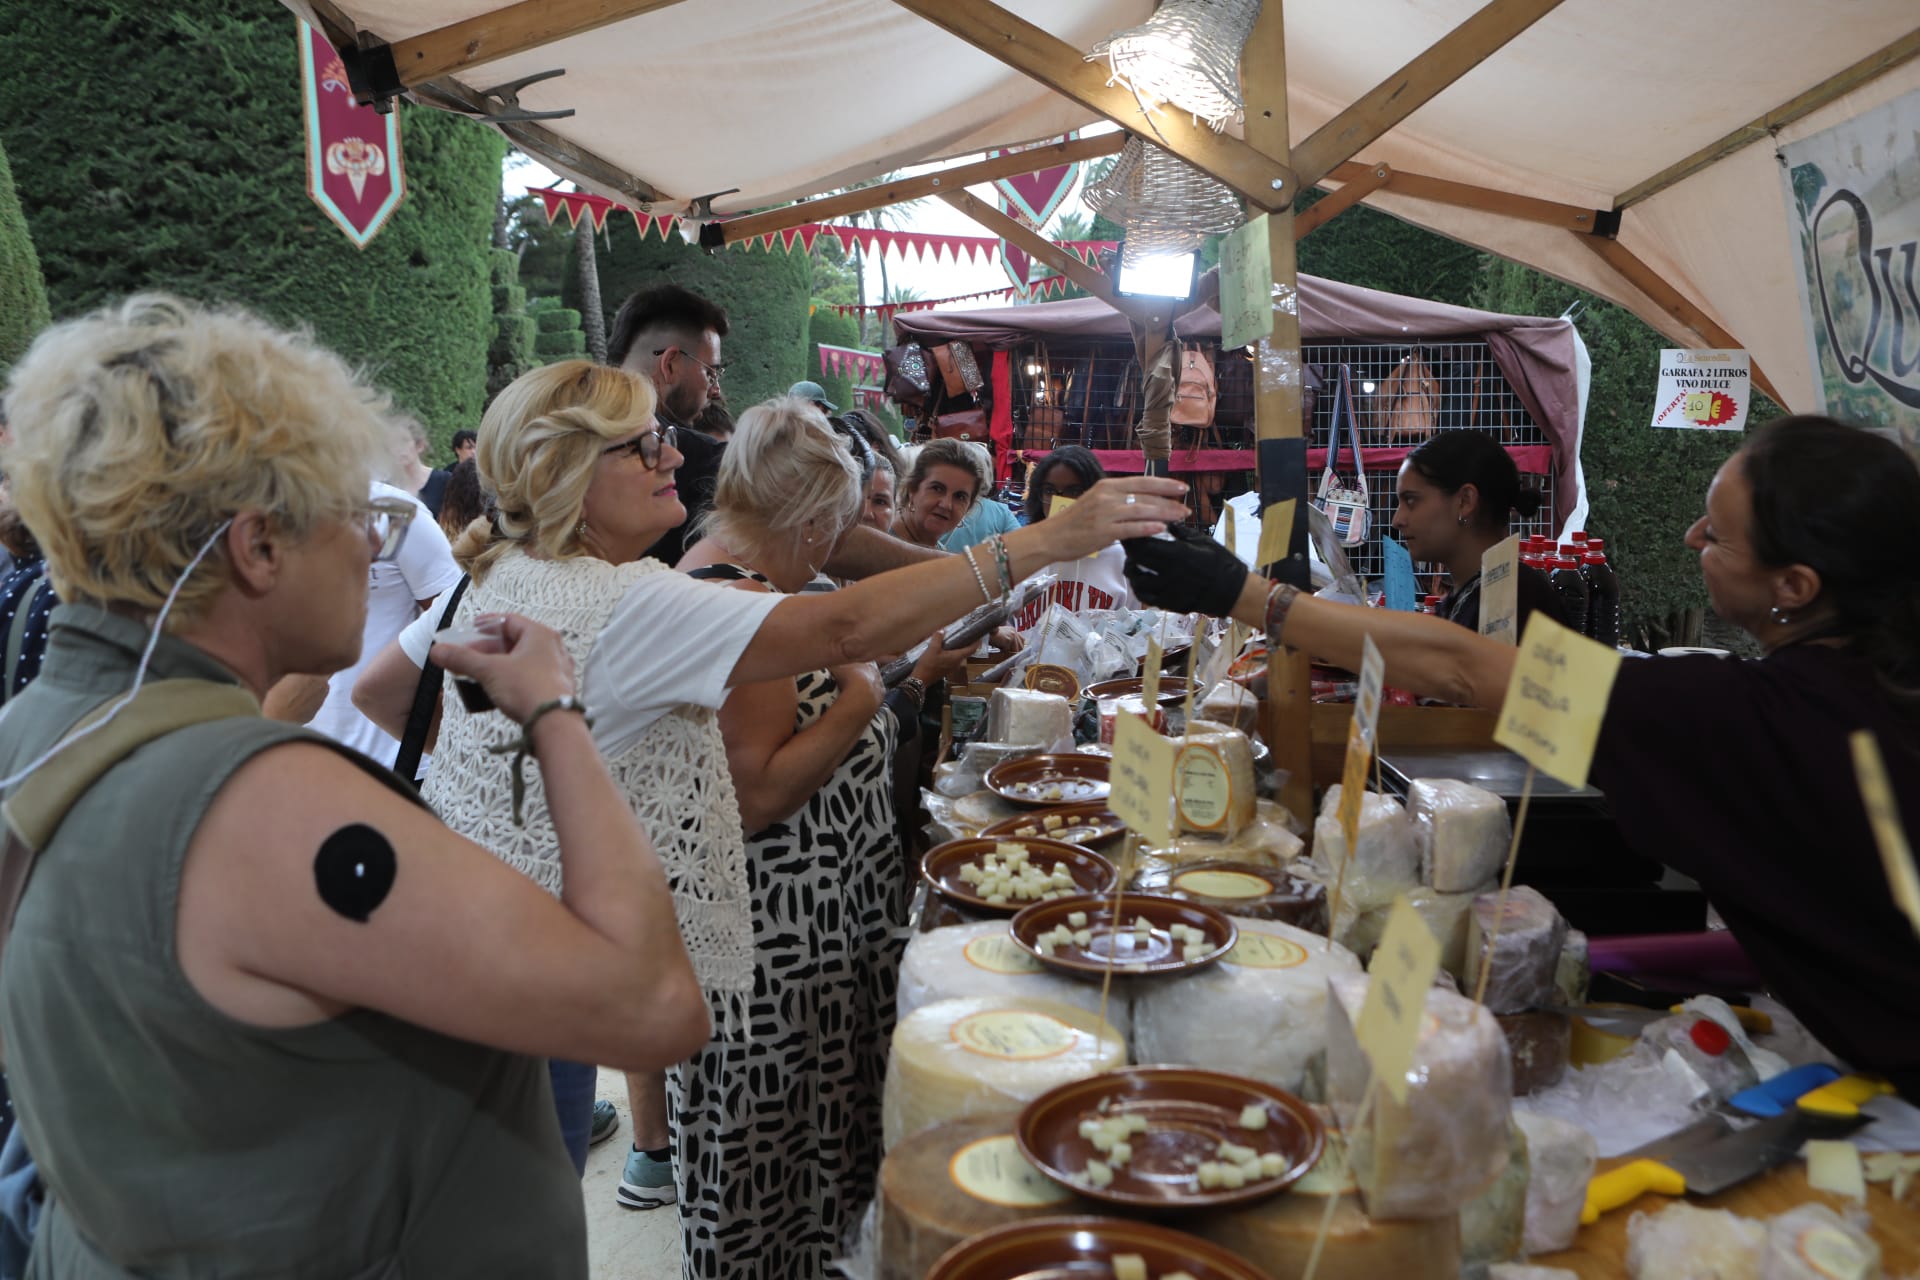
(808, 234)
(787, 238)
(552, 201)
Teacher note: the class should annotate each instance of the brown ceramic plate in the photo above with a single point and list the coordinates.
(1089, 824)
(1091, 872)
(1125, 950)
(1173, 689)
(1044, 781)
(1189, 1112)
(1084, 1249)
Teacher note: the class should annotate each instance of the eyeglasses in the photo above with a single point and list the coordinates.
(387, 520)
(714, 372)
(646, 446)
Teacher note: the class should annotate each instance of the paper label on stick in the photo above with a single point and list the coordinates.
(1142, 778)
(1500, 591)
(1883, 814)
(1400, 976)
(1397, 568)
(1556, 699)
(1353, 783)
(1150, 675)
(1246, 285)
(1366, 703)
(1276, 533)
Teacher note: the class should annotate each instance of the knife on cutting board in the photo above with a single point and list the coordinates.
(1723, 1149)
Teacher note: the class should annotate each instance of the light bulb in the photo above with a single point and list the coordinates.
(1366, 388)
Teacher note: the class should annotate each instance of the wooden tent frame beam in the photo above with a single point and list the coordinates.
(1351, 193)
(1420, 186)
(501, 33)
(1040, 249)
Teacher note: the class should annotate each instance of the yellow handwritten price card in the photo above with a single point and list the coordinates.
(1398, 980)
(1500, 591)
(1150, 675)
(1883, 814)
(1276, 533)
(1353, 783)
(1556, 699)
(1373, 680)
(1142, 778)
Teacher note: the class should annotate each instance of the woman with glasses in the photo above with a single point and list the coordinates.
(1096, 582)
(583, 480)
(249, 1024)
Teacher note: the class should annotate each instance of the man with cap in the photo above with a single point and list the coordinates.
(815, 392)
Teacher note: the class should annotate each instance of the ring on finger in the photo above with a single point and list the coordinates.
(1132, 498)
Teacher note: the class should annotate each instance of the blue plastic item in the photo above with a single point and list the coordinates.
(1778, 1094)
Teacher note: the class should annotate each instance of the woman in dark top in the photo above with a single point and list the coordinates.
(1458, 493)
(1738, 773)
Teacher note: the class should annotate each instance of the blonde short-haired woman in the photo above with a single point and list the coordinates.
(248, 1022)
(583, 478)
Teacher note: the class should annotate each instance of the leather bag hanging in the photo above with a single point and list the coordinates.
(1197, 392)
(949, 371)
(1410, 401)
(1346, 508)
(966, 366)
(909, 378)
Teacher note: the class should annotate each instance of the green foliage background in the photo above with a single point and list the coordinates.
(23, 295)
(161, 145)
(836, 331)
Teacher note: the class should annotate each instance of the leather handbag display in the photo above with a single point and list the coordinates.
(1198, 391)
(961, 424)
(1409, 403)
(909, 378)
(1345, 507)
(949, 371)
(966, 366)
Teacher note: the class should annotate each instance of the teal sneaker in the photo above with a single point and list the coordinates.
(606, 1120)
(646, 1183)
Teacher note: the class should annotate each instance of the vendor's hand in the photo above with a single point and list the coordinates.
(1007, 640)
(1134, 507)
(860, 681)
(937, 663)
(1189, 574)
(521, 666)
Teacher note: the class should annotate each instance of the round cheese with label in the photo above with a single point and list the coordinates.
(1260, 1012)
(954, 1181)
(1213, 787)
(961, 1057)
(1242, 889)
(982, 959)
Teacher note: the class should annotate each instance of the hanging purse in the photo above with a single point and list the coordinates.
(1346, 509)
(1410, 401)
(966, 367)
(1197, 392)
(908, 379)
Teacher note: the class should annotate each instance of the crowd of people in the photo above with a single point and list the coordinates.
(346, 945)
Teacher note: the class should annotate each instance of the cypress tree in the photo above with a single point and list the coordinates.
(163, 147)
(23, 295)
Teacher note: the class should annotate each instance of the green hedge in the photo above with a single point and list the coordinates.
(836, 330)
(23, 295)
(165, 145)
(558, 319)
(567, 343)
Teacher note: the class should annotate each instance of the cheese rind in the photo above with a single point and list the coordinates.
(1385, 859)
(982, 959)
(1493, 1223)
(1445, 914)
(1681, 1242)
(1462, 833)
(1573, 972)
(1561, 1157)
(1538, 1044)
(1520, 950)
(1027, 717)
(1428, 1156)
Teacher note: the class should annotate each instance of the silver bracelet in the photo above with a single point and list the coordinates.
(915, 688)
(1279, 600)
(978, 577)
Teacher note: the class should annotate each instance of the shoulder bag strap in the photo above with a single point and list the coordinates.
(426, 698)
(17, 633)
(1353, 429)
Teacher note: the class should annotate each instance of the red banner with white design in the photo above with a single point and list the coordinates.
(354, 171)
(850, 362)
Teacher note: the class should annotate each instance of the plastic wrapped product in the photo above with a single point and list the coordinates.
(1028, 717)
(1229, 704)
(1493, 1223)
(1525, 954)
(1521, 1271)
(1681, 1242)
(1385, 859)
(983, 960)
(1447, 1142)
(963, 1057)
(1574, 971)
(1213, 787)
(1445, 914)
(1261, 1012)
(1538, 1044)
(1561, 1158)
(1812, 1242)
(1276, 1234)
(1463, 833)
(1242, 889)
(1268, 841)
(956, 1180)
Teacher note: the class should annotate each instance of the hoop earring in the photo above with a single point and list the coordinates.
(1780, 616)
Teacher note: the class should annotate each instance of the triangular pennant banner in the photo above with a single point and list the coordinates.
(1036, 196)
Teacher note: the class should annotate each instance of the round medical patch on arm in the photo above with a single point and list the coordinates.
(354, 871)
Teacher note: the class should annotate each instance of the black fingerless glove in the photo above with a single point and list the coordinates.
(1190, 574)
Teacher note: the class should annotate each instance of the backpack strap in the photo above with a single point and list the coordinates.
(426, 697)
(17, 633)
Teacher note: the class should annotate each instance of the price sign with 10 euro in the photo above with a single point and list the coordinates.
(1556, 699)
(1398, 979)
(1142, 791)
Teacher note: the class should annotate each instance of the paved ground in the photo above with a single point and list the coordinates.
(624, 1244)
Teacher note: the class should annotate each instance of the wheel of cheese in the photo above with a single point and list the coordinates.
(1519, 942)
(1266, 842)
(1538, 1044)
(1213, 787)
(963, 1057)
(1261, 1012)
(954, 1181)
(1243, 889)
(982, 959)
(1462, 832)
(1359, 926)
(1385, 860)
(1277, 1234)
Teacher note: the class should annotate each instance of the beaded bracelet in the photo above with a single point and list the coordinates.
(915, 689)
(978, 577)
(1005, 561)
(1279, 600)
(522, 747)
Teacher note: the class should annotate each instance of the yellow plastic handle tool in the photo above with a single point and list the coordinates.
(1843, 1097)
(1628, 1183)
(1752, 1020)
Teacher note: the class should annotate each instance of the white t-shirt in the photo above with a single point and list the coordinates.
(424, 568)
(671, 641)
(1097, 582)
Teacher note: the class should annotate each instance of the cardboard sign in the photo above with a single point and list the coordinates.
(1353, 782)
(1399, 977)
(1150, 674)
(1397, 564)
(1703, 390)
(1276, 533)
(1246, 286)
(1366, 703)
(1057, 504)
(1556, 699)
(1500, 591)
(1883, 814)
(1142, 778)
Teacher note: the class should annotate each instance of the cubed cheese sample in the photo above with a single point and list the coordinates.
(1129, 1266)
(1681, 1242)
(1561, 1157)
(1213, 787)
(1448, 1141)
(983, 960)
(1812, 1242)
(1253, 1116)
(1463, 833)
(1385, 860)
(960, 1057)
(1027, 717)
(1521, 953)
(1833, 1164)
(1359, 927)
(1260, 1008)
(1574, 971)
(1538, 1044)
(1493, 1223)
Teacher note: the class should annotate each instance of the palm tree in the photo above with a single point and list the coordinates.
(592, 318)
(884, 218)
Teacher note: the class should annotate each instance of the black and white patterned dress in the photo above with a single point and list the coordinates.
(779, 1137)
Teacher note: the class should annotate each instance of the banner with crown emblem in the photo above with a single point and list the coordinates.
(353, 152)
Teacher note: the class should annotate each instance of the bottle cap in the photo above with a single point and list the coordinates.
(1593, 557)
(1565, 562)
(1578, 536)
(1596, 544)
(1710, 1037)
